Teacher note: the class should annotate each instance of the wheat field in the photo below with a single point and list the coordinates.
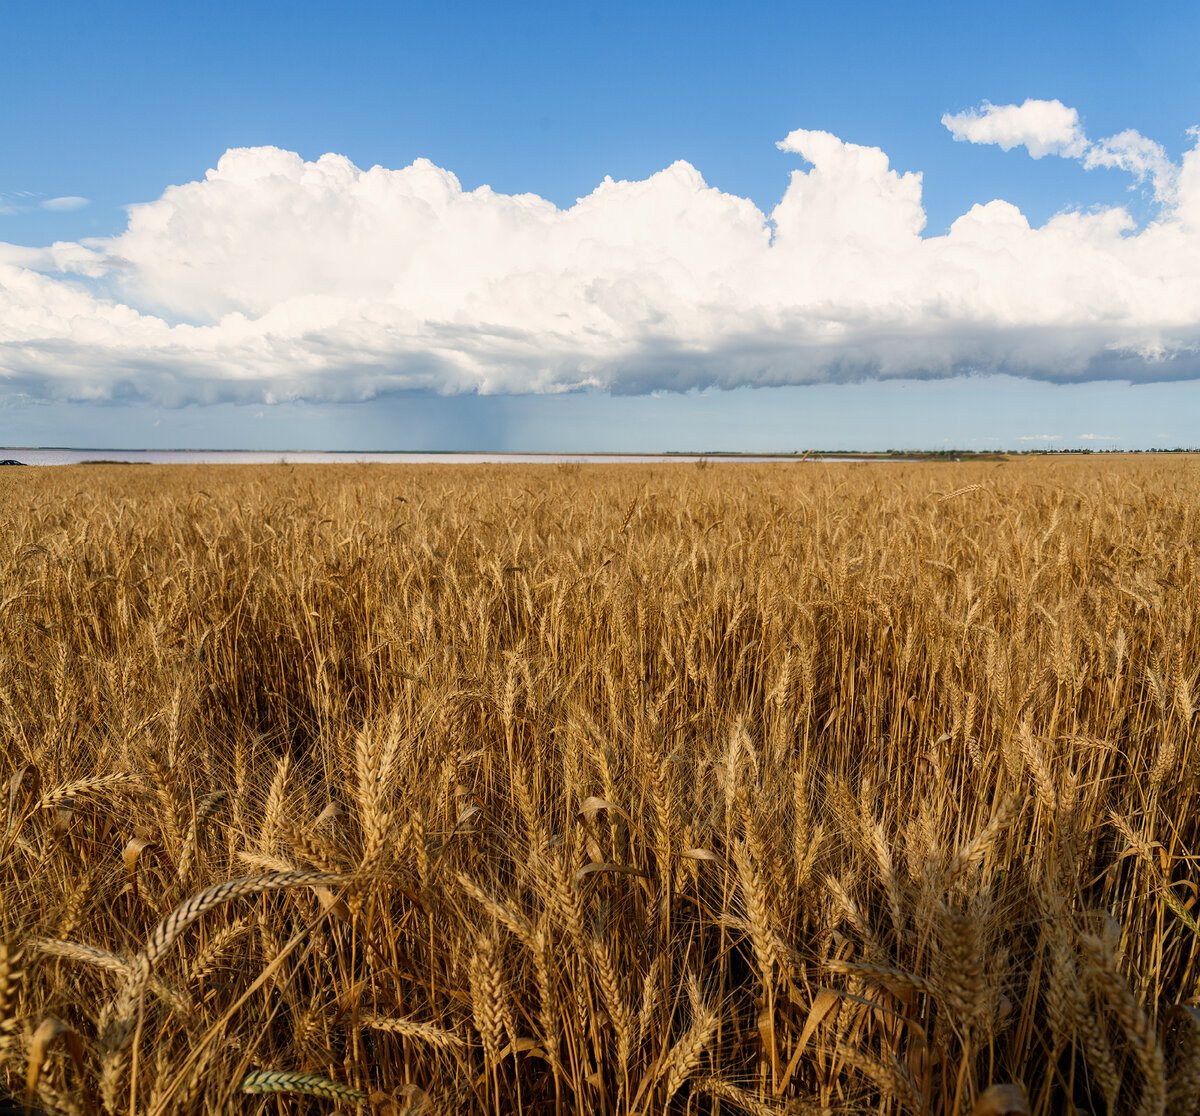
(601, 789)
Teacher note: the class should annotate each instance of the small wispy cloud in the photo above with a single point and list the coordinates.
(1099, 437)
(1039, 437)
(65, 204)
(1143, 158)
(22, 201)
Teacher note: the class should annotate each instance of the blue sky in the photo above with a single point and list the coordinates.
(206, 325)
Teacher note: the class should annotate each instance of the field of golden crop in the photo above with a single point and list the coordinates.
(601, 789)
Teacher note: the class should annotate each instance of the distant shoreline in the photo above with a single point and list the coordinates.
(56, 455)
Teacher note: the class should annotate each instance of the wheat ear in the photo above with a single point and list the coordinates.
(282, 1081)
(10, 979)
(410, 1028)
(683, 1058)
(1138, 1031)
(203, 901)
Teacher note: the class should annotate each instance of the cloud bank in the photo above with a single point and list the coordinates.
(274, 278)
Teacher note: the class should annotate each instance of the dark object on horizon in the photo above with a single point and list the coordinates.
(11, 461)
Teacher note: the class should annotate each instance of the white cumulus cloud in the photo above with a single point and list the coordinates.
(1043, 127)
(278, 278)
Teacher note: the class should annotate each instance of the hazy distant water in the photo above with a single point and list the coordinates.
(255, 457)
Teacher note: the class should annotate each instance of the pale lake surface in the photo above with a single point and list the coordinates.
(297, 457)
